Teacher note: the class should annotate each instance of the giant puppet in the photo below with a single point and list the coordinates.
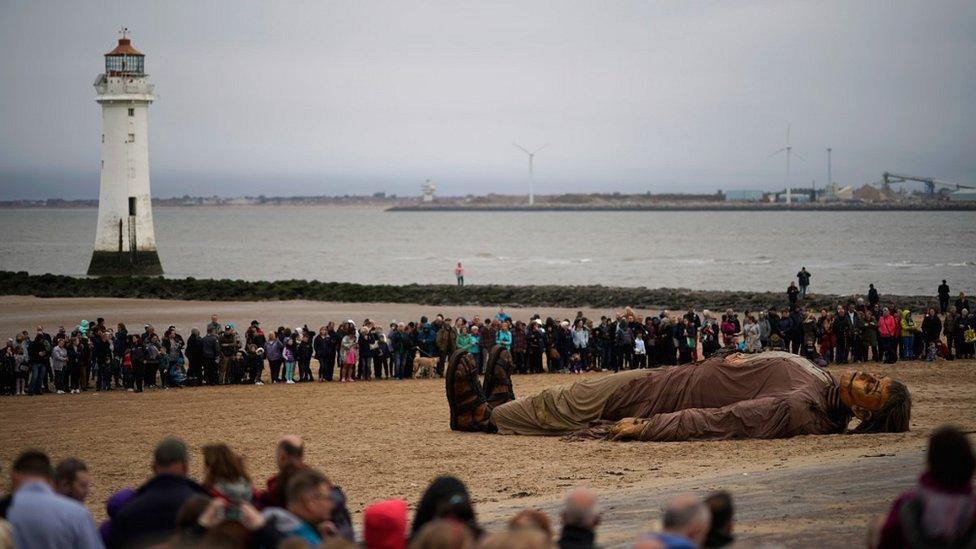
(730, 396)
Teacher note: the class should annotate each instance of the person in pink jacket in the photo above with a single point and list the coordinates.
(459, 273)
(888, 331)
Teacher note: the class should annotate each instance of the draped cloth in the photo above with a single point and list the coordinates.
(766, 395)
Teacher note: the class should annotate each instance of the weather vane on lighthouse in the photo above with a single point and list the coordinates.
(124, 31)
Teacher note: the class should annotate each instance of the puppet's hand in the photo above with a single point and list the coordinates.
(628, 428)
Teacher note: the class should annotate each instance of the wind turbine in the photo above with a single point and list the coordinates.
(788, 149)
(531, 159)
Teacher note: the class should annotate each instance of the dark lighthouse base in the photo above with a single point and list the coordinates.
(145, 263)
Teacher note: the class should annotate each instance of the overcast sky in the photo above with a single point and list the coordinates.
(284, 98)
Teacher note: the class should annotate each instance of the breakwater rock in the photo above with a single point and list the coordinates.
(48, 285)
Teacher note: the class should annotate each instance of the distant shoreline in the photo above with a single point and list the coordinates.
(664, 207)
(708, 207)
(504, 203)
(593, 296)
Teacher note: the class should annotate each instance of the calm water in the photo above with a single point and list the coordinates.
(901, 252)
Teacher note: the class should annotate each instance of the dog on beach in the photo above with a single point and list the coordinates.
(425, 367)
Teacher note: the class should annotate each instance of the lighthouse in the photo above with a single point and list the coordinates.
(125, 243)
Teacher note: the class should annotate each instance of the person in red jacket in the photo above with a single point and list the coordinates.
(888, 331)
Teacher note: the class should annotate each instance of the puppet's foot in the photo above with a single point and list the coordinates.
(498, 377)
(469, 409)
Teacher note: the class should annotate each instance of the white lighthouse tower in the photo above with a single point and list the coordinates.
(125, 243)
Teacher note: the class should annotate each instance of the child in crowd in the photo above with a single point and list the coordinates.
(288, 355)
(640, 353)
(575, 363)
(383, 366)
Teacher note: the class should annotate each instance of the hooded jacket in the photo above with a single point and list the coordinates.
(907, 324)
(886, 325)
(385, 525)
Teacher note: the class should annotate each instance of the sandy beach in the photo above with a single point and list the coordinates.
(388, 439)
(20, 312)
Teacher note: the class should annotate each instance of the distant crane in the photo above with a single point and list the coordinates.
(888, 178)
(830, 175)
(531, 174)
(788, 149)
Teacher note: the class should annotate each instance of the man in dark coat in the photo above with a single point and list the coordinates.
(194, 357)
(843, 331)
(210, 355)
(803, 277)
(792, 293)
(149, 518)
(944, 297)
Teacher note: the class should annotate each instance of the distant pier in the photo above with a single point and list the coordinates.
(691, 207)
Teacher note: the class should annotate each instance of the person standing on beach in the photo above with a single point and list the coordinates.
(324, 346)
(210, 356)
(459, 273)
(843, 332)
(229, 344)
(944, 297)
(273, 350)
(887, 330)
(873, 297)
(215, 325)
(803, 277)
(792, 292)
(907, 335)
(961, 303)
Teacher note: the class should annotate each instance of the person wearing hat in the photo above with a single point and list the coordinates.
(230, 345)
(255, 335)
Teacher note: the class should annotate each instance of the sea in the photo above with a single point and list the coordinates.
(902, 253)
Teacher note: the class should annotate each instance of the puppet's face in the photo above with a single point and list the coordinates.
(864, 394)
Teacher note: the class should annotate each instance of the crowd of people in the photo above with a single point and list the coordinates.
(301, 507)
(96, 356)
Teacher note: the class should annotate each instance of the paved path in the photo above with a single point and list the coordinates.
(806, 506)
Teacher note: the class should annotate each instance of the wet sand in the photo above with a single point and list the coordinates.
(389, 438)
(25, 312)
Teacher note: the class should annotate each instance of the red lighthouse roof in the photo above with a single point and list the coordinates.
(124, 48)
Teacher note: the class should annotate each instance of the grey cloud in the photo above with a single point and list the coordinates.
(337, 97)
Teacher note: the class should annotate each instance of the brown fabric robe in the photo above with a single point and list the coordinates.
(767, 395)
